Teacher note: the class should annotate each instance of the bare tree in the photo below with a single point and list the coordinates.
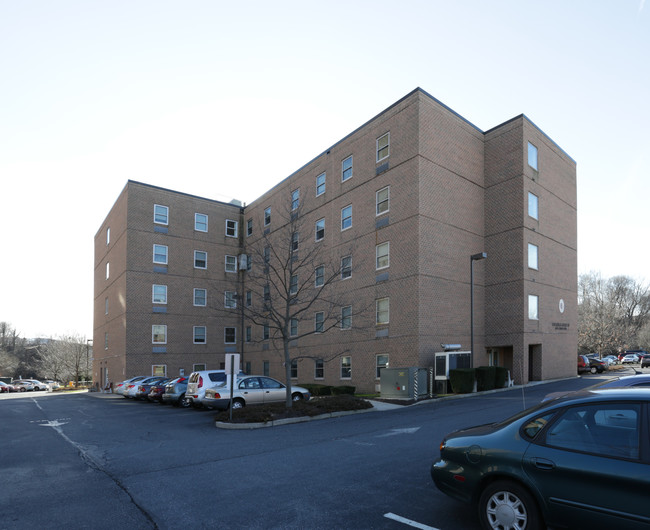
(292, 278)
(66, 357)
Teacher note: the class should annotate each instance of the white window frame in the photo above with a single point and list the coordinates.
(346, 318)
(344, 169)
(231, 228)
(319, 276)
(196, 252)
(346, 217)
(293, 284)
(533, 153)
(319, 369)
(155, 372)
(205, 297)
(108, 270)
(106, 305)
(533, 206)
(378, 149)
(345, 269)
(267, 216)
(533, 307)
(166, 254)
(293, 327)
(153, 333)
(198, 224)
(385, 201)
(166, 215)
(320, 221)
(225, 332)
(233, 262)
(153, 293)
(249, 333)
(249, 227)
(386, 255)
(379, 366)
(347, 365)
(533, 256)
(377, 311)
(295, 199)
(321, 182)
(230, 299)
(205, 335)
(108, 236)
(319, 326)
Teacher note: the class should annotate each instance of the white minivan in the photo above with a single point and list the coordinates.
(200, 381)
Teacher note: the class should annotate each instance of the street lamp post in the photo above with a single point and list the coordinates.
(473, 258)
(87, 357)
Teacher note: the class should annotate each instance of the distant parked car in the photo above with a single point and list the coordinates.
(122, 386)
(36, 385)
(612, 359)
(52, 385)
(175, 392)
(630, 358)
(23, 386)
(589, 364)
(632, 381)
(643, 357)
(645, 362)
(6, 387)
(252, 390)
(133, 387)
(144, 387)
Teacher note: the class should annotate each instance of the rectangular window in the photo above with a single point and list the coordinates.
(383, 147)
(532, 156)
(230, 335)
(294, 369)
(293, 328)
(160, 214)
(159, 370)
(200, 297)
(266, 368)
(249, 298)
(383, 200)
(320, 275)
(230, 299)
(160, 254)
(267, 254)
(293, 284)
(382, 311)
(200, 259)
(267, 216)
(346, 217)
(532, 256)
(319, 319)
(108, 236)
(231, 228)
(249, 333)
(266, 332)
(382, 362)
(320, 184)
(319, 369)
(159, 294)
(346, 367)
(346, 317)
(199, 335)
(158, 334)
(249, 227)
(295, 199)
(231, 263)
(106, 306)
(346, 169)
(382, 253)
(533, 307)
(105, 340)
(320, 229)
(295, 239)
(533, 206)
(108, 270)
(346, 267)
(200, 222)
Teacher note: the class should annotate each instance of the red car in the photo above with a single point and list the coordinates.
(6, 387)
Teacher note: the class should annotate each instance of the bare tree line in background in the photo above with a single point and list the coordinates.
(613, 314)
(64, 358)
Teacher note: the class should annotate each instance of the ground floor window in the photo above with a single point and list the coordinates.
(266, 368)
(198, 367)
(319, 369)
(346, 367)
(294, 369)
(159, 370)
(381, 362)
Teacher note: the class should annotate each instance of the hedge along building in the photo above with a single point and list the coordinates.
(395, 210)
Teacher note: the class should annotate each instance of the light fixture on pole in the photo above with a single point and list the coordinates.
(473, 258)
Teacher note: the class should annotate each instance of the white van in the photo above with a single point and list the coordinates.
(200, 381)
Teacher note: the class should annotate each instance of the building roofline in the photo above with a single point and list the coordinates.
(238, 203)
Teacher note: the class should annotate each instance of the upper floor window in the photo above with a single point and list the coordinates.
(199, 335)
(230, 335)
(108, 236)
(158, 334)
(249, 227)
(231, 263)
(346, 267)
(200, 222)
(293, 284)
(320, 184)
(295, 239)
(267, 216)
(320, 275)
(319, 320)
(382, 253)
(533, 307)
(532, 156)
(160, 214)
(533, 205)
(249, 298)
(383, 147)
(230, 299)
(160, 254)
(159, 294)
(293, 329)
(346, 217)
(346, 317)
(200, 297)
(383, 200)
(108, 270)
(295, 199)
(231, 228)
(106, 306)
(200, 259)
(346, 169)
(382, 311)
(320, 229)
(532, 256)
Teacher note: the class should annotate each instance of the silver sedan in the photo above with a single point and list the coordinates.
(252, 390)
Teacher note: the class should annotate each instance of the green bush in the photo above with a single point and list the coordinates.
(317, 390)
(500, 376)
(338, 390)
(462, 380)
(485, 378)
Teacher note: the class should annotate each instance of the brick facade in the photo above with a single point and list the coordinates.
(453, 191)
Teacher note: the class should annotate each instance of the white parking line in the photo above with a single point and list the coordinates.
(409, 522)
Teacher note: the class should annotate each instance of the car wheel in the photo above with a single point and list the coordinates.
(184, 402)
(593, 369)
(506, 505)
(238, 404)
(22, 389)
(297, 397)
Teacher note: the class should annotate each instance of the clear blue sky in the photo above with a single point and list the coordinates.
(225, 99)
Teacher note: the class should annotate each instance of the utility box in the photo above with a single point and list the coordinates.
(403, 383)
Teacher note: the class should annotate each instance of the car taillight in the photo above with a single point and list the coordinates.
(217, 395)
(200, 381)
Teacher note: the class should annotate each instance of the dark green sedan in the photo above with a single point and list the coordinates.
(579, 461)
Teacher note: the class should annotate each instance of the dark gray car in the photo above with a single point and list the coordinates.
(175, 392)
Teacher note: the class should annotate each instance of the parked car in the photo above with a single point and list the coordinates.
(6, 387)
(36, 385)
(52, 385)
(122, 386)
(645, 362)
(23, 386)
(630, 358)
(612, 359)
(631, 381)
(579, 461)
(590, 364)
(132, 388)
(252, 390)
(144, 386)
(200, 381)
(157, 390)
(644, 357)
(175, 392)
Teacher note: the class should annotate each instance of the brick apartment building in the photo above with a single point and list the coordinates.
(401, 204)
